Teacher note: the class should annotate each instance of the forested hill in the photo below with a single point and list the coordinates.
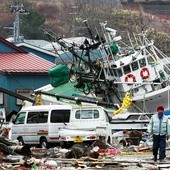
(65, 18)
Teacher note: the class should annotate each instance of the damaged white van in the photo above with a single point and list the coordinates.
(40, 124)
(51, 124)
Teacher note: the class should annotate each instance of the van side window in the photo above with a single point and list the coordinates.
(60, 116)
(87, 114)
(43, 117)
(32, 117)
(37, 117)
(20, 118)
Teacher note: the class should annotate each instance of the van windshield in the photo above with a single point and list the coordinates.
(60, 116)
(20, 118)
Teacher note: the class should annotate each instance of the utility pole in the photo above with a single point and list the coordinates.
(18, 9)
(74, 13)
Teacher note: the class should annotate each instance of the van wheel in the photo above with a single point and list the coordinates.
(122, 143)
(21, 141)
(43, 143)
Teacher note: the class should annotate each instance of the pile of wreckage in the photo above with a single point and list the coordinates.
(98, 155)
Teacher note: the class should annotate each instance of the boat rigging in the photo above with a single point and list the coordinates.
(109, 70)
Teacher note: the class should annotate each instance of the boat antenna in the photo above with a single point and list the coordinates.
(89, 30)
(51, 37)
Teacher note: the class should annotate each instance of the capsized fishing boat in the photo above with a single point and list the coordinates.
(130, 121)
(127, 75)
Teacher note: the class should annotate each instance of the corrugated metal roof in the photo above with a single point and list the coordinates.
(36, 48)
(10, 45)
(37, 43)
(23, 63)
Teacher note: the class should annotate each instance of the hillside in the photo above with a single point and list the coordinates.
(64, 18)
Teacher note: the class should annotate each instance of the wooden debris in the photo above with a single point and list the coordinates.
(104, 162)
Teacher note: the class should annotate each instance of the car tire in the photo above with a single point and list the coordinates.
(43, 143)
(122, 143)
(21, 141)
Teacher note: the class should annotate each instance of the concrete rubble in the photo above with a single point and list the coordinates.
(98, 155)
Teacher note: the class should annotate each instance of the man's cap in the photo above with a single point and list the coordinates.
(160, 108)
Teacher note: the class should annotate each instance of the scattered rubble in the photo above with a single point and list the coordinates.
(99, 155)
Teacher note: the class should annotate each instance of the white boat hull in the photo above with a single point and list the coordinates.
(129, 125)
(150, 101)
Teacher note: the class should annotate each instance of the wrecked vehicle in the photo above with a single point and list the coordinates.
(71, 136)
(43, 125)
(5, 127)
(86, 125)
(38, 125)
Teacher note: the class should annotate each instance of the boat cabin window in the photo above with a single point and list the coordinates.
(60, 116)
(126, 69)
(135, 66)
(87, 114)
(142, 62)
(144, 117)
(151, 60)
(133, 117)
(119, 72)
